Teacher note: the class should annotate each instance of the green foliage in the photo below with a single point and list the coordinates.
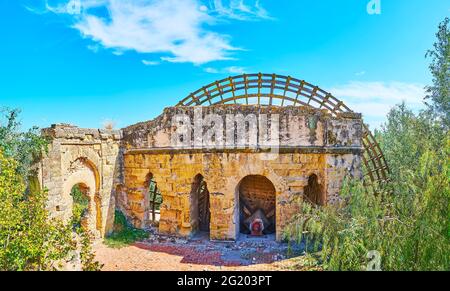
(405, 137)
(80, 206)
(155, 195)
(88, 262)
(439, 92)
(80, 209)
(409, 222)
(123, 234)
(29, 238)
(24, 147)
(409, 227)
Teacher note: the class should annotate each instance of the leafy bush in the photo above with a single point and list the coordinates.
(80, 206)
(124, 234)
(30, 239)
(408, 222)
(24, 147)
(80, 209)
(409, 226)
(88, 262)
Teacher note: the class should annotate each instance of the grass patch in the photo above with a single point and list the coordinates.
(123, 234)
(308, 262)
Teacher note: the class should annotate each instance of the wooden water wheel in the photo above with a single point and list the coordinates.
(277, 90)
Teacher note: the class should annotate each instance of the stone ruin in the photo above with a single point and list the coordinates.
(226, 187)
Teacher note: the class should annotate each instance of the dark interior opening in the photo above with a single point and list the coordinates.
(257, 205)
(313, 191)
(201, 215)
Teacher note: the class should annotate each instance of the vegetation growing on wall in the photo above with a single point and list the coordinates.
(124, 234)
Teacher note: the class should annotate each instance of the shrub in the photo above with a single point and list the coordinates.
(30, 239)
(124, 234)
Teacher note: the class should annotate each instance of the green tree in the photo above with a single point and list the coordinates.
(408, 223)
(29, 238)
(24, 147)
(408, 226)
(438, 98)
(80, 206)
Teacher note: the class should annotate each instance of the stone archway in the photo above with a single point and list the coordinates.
(200, 205)
(257, 205)
(152, 200)
(314, 192)
(83, 172)
(81, 206)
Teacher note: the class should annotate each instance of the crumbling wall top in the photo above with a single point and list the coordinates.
(298, 125)
(65, 131)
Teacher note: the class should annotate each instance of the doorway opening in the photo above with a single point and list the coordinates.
(154, 199)
(81, 206)
(313, 191)
(200, 205)
(257, 206)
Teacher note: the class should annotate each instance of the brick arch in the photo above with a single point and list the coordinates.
(282, 192)
(83, 171)
(277, 90)
(149, 207)
(200, 213)
(256, 193)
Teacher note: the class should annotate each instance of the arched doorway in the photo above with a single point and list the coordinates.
(81, 206)
(313, 191)
(153, 200)
(200, 205)
(257, 206)
(82, 195)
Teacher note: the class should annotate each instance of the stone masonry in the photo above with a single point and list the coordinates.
(86, 157)
(116, 166)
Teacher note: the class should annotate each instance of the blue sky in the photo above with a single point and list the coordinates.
(126, 60)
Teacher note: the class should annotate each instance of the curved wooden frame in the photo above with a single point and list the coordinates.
(277, 90)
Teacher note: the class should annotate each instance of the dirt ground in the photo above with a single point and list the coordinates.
(199, 254)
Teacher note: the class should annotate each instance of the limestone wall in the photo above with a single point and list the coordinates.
(115, 167)
(223, 172)
(311, 142)
(89, 157)
(298, 126)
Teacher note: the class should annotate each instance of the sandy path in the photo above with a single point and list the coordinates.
(138, 258)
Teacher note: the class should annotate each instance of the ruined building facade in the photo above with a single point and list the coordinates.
(220, 184)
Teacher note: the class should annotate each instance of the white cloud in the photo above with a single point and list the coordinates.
(180, 30)
(375, 99)
(381, 91)
(150, 63)
(227, 70)
(361, 73)
(235, 70)
(212, 70)
(117, 52)
(240, 9)
(94, 47)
